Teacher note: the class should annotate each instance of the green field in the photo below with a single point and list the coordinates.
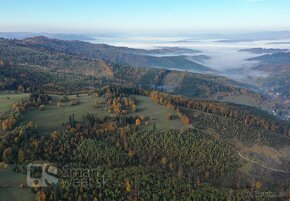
(53, 117)
(10, 189)
(157, 114)
(8, 99)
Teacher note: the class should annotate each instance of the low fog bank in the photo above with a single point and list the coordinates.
(248, 76)
(224, 57)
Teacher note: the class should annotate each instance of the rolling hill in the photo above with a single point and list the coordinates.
(73, 59)
(120, 55)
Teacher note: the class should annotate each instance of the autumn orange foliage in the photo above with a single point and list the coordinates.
(185, 119)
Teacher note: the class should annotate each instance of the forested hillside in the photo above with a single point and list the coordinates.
(118, 55)
(277, 66)
(77, 59)
(202, 160)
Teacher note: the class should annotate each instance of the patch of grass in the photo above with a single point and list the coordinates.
(10, 189)
(157, 114)
(53, 117)
(8, 99)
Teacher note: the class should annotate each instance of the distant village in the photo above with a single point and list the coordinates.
(282, 111)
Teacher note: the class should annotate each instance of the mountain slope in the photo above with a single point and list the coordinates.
(118, 55)
(278, 67)
(69, 59)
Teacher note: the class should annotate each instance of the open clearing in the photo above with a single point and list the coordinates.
(157, 114)
(8, 99)
(53, 117)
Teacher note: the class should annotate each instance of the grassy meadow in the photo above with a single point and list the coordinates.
(157, 114)
(53, 117)
(8, 99)
(12, 187)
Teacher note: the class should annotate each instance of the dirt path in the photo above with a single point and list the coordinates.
(245, 157)
(260, 164)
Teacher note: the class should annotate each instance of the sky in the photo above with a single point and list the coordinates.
(144, 16)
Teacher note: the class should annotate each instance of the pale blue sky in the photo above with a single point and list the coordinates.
(152, 16)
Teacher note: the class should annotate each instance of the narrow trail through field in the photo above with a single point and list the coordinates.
(246, 157)
(261, 164)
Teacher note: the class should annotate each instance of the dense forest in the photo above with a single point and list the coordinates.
(248, 115)
(137, 163)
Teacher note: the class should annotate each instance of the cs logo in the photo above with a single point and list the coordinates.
(41, 175)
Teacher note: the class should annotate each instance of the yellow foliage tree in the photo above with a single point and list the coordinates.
(138, 122)
(163, 160)
(5, 125)
(258, 185)
(134, 108)
(127, 185)
(8, 124)
(54, 135)
(21, 156)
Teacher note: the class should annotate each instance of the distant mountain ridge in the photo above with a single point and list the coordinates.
(276, 58)
(120, 55)
(219, 37)
(61, 36)
(160, 51)
(264, 50)
(250, 37)
(68, 57)
(236, 37)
